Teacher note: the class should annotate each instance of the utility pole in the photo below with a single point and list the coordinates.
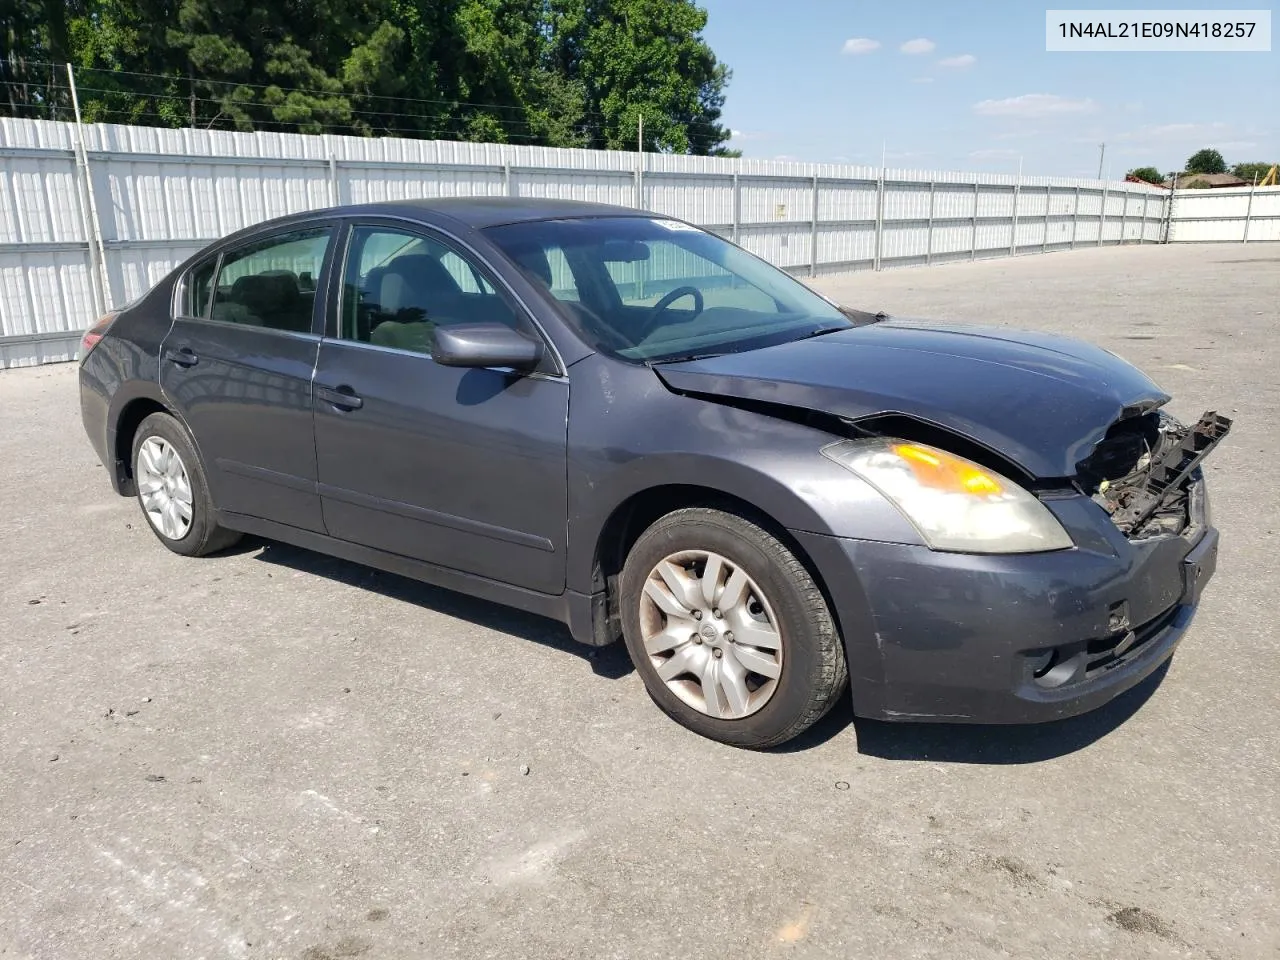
(640, 162)
(1102, 147)
(100, 280)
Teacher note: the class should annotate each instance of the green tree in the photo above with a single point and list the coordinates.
(551, 72)
(1251, 171)
(33, 40)
(642, 58)
(1149, 174)
(1207, 160)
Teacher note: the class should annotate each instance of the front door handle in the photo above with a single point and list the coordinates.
(343, 397)
(183, 358)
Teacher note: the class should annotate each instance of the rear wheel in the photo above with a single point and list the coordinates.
(172, 489)
(730, 633)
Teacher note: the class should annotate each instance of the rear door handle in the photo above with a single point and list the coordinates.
(343, 397)
(183, 358)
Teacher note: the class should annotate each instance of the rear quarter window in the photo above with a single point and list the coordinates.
(197, 286)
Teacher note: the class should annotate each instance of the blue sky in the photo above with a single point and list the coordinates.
(974, 89)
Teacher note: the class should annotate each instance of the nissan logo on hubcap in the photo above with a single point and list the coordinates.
(708, 631)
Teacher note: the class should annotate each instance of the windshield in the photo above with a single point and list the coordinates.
(648, 290)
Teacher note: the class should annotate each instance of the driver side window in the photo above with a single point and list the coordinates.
(399, 286)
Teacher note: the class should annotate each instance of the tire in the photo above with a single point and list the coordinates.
(196, 536)
(709, 549)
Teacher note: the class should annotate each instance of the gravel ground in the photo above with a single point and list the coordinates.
(274, 754)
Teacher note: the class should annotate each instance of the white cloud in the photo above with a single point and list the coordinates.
(993, 154)
(919, 45)
(962, 62)
(856, 45)
(922, 79)
(1175, 132)
(1017, 135)
(1034, 105)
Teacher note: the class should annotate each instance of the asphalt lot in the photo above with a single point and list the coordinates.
(274, 754)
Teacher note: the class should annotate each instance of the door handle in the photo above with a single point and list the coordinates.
(183, 358)
(343, 397)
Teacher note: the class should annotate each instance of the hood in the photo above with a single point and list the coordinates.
(1041, 401)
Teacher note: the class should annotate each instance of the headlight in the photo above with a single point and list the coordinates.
(954, 503)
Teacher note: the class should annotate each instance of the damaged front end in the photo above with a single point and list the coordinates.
(1141, 472)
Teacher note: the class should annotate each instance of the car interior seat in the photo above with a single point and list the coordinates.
(415, 294)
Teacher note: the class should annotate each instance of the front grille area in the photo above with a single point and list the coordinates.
(1108, 651)
(1083, 661)
(1142, 472)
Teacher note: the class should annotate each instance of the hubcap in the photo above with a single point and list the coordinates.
(711, 635)
(164, 488)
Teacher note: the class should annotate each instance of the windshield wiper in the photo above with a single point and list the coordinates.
(685, 358)
(861, 318)
(822, 331)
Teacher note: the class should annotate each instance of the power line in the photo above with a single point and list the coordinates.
(315, 92)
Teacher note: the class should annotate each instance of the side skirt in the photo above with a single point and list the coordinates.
(572, 608)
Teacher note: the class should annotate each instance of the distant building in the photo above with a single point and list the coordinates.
(1214, 180)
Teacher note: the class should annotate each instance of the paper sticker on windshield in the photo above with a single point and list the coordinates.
(676, 226)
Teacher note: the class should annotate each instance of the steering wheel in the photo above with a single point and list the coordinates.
(650, 323)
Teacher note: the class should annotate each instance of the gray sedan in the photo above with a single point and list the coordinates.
(619, 420)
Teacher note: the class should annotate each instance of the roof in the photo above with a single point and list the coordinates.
(1213, 179)
(480, 212)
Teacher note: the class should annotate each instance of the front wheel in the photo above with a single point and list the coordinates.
(729, 631)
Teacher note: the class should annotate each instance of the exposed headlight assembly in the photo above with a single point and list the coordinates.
(955, 504)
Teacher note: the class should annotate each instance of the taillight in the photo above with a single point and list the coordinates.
(94, 334)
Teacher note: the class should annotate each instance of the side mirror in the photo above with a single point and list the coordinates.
(484, 345)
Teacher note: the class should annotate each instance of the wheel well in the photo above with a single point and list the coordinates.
(126, 427)
(637, 513)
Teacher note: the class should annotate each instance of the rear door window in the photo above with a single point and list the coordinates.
(272, 282)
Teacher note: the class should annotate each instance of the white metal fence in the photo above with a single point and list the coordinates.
(91, 216)
(1228, 214)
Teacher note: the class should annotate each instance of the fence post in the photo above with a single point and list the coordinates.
(928, 250)
(813, 232)
(1075, 218)
(737, 206)
(1168, 209)
(1013, 227)
(1048, 205)
(99, 278)
(879, 217)
(506, 178)
(640, 175)
(1248, 211)
(1102, 214)
(334, 199)
(973, 240)
(1124, 216)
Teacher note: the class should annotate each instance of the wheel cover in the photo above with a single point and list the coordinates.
(710, 633)
(164, 488)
